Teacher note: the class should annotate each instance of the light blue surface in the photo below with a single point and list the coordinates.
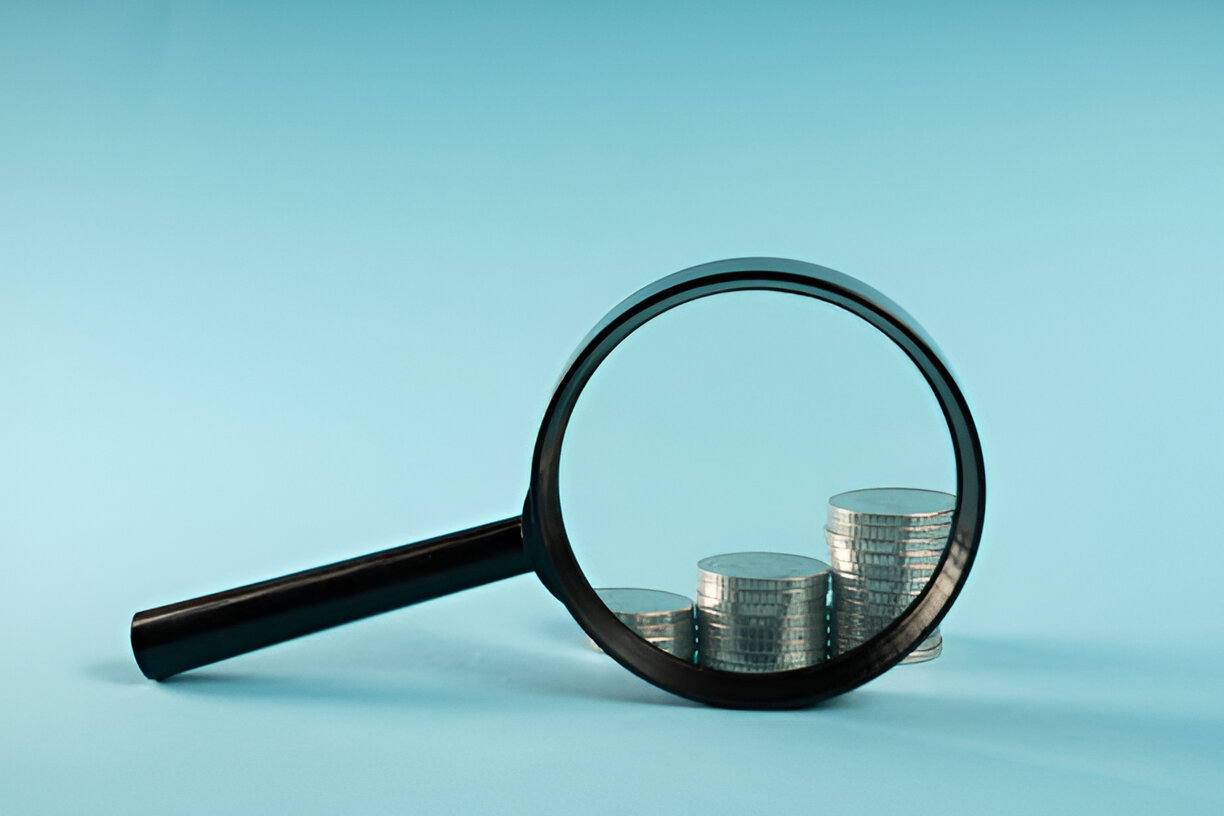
(281, 285)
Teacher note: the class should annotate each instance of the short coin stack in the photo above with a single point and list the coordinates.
(884, 544)
(761, 611)
(929, 649)
(662, 618)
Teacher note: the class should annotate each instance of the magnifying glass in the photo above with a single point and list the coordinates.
(743, 451)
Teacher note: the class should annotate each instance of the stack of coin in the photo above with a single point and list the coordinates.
(662, 618)
(761, 611)
(884, 544)
(929, 649)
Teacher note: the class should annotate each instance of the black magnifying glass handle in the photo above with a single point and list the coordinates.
(174, 638)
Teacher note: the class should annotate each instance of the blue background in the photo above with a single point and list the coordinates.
(285, 283)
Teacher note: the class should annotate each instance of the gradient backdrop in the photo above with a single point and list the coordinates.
(282, 283)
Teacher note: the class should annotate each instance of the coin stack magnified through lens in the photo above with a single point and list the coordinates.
(761, 611)
(664, 619)
(884, 544)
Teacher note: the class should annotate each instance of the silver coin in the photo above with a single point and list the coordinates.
(860, 601)
(900, 584)
(712, 634)
(764, 610)
(757, 624)
(708, 594)
(919, 654)
(732, 590)
(844, 641)
(889, 532)
(716, 621)
(682, 649)
(844, 558)
(872, 593)
(879, 583)
(922, 572)
(671, 618)
(756, 629)
(887, 572)
(775, 634)
(847, 622)
(757, 656)
(708, 619)
(874, 601)
(762, 666)
(767, 570)
(763, 599)
(855, 549)
(837, 519)
(679, 623)
(673, 636)
(890, 504)
(650, 629)
(802, 582)
(670, 634)
(910, 547)
(844, 622)
(714, 586)
(924, 655)
(884, 577)
(860, 623)
(731, 668)
(866, 614)
(768, 605)
(855, 588)
(933, 538)
(746, 657)
(673, 645)
(884, 567)
(854, 637)
(751, 658)
(869, 611)
(642, 603)
(762, 624)
(638, 625)
(760, 640)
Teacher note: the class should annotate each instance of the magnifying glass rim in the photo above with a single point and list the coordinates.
(548, 546)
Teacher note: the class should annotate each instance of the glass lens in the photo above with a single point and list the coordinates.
(756, 481)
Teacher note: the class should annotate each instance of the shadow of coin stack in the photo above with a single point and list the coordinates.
(663, 619)
(761, 611)
(884, 544)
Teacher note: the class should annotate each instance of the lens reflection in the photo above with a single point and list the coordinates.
(726, 452)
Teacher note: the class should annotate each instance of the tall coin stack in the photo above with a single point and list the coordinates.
(884, 544)
(664, 619)
(761, 611)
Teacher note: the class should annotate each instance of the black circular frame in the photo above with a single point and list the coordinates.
(552, 556)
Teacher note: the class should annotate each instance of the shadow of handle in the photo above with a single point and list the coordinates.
(172, 639)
